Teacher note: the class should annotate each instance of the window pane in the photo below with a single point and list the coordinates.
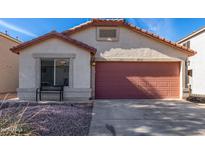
(187, 44)
(47, 72)
(111, 33)
(62, 72)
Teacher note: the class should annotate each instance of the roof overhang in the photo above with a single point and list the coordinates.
(123, 23)
(17, 49)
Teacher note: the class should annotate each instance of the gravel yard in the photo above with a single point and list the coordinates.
(55, 119)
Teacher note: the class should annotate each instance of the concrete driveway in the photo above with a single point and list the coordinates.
(147, 117)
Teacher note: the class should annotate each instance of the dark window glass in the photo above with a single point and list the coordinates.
(54, 72)
(110, 33)
(187, 44)
(47, 71)
(62, 72)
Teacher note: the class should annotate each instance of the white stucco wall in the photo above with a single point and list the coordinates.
(197, 64)
(81, 62)
(131, 46)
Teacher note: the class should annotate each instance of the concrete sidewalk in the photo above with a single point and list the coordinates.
(147, 117)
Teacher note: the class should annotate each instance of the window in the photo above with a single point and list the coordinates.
(107, 33)
(186, 44)
(54, 72)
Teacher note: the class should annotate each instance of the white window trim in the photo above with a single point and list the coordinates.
(54, 68)
(39, 56)
(98, 38)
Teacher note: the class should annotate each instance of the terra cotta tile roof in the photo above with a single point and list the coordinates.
(100, 22)
(53, 34)
(123, 23)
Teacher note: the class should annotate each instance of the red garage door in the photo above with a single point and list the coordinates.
(137, 80)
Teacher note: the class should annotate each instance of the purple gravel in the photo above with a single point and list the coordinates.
(57, 119)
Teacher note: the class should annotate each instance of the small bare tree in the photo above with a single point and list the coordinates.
(12, 121)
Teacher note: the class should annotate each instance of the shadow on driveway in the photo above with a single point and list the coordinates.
(147, 117)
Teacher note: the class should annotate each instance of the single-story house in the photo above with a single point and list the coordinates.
(196, 64)
(104, 59)
(8, 64)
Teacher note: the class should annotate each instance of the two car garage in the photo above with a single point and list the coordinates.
(137, 80)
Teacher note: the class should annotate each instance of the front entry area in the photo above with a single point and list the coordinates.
(137, 80)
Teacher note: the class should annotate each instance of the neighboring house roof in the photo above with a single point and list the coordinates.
(10, 38)
(193, 34)
(123, 23)
(53, 34)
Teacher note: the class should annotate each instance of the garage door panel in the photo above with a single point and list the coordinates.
(140, 71)
(174, 84)
(137, 80)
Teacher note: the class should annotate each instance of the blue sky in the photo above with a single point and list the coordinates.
(29, 28)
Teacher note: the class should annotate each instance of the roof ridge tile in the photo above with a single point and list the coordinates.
(93, 22)
(51, 34)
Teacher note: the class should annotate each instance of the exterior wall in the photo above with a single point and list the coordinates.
(131, 46)
(134, 47)
(197, 64)
(8, 66)
(29, 72)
